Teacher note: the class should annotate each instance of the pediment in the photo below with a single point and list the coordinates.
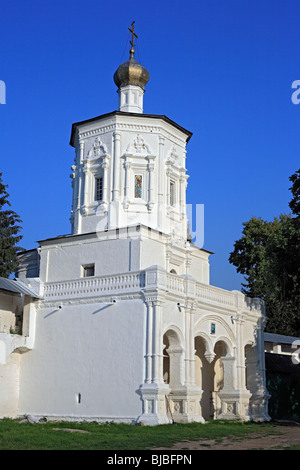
(98, 150)
(138, 147)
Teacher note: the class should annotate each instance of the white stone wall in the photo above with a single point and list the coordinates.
(118, 147)
(65, 260)
(11, 347)
(7, 313)
(98, 352)
(113, 252)
(9, 386)
(92, 349)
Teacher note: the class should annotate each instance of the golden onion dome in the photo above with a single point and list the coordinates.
(131, 73)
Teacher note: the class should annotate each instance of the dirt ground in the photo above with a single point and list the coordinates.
(286, 436)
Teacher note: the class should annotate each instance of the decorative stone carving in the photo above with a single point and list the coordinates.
(138, 147)
(98, 149)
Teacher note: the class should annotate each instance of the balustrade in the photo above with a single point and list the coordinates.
(135, 281)
(94, 286)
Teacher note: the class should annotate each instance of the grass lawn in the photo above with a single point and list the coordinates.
(110, 436)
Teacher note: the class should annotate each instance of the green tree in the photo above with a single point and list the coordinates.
(283, 278)
(9, 234)
(268, 255)
(295, 189)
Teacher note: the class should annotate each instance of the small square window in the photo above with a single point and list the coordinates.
(88, 270)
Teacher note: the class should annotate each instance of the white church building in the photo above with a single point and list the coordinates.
(118, 320)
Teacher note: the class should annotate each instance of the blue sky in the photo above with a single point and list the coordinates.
(222, 69)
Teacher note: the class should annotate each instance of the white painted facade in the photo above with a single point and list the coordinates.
(128, 327)
(117, 147)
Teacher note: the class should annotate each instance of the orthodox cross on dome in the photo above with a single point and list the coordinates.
(133, 34)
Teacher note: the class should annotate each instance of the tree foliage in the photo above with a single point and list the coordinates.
(9, 234)
(268, 255)
(295, 188)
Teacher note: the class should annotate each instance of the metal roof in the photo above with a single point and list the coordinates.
(75, 125)
(275, 338)
(14, 285)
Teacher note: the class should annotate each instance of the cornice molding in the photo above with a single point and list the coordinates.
(130, 127)
(127, 115)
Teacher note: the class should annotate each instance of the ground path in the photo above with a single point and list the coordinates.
(286, 436)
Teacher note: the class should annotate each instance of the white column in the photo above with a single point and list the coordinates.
(192, 347)
(74, 185)
(126, 183)
(168, 187)
(157, 344)
(182, 195)
(86, 184)
(160, 192)
(149, 340)
(241, 367)
(188, 263)
(105, 166)
(150, 190)
(168, 256)
(116, 169)
(187, 345)
(79, 177)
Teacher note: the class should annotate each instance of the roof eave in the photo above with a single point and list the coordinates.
(122, 113)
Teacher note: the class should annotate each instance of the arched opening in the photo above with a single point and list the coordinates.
(209, 375)
(173, 271)
(220, 351)
(166, 360)
(172, 359)
(203, 376)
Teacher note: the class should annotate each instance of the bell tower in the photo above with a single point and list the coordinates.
(129, 166)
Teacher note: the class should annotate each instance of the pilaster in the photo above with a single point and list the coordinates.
(127, 165)
(116, 165)
(153, 390)
(160, 193)
(78, 189)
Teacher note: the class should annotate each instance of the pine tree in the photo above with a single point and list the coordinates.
(9, 234)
